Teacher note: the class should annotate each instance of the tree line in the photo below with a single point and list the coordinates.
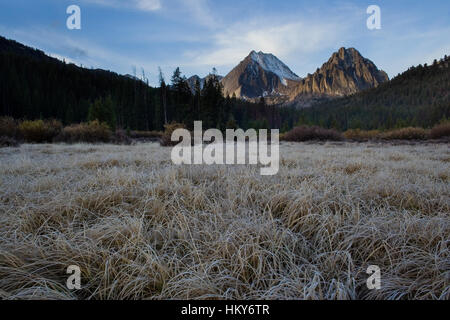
(419, 97)
(35, 86)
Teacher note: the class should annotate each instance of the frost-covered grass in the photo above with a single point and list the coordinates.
(140, 227)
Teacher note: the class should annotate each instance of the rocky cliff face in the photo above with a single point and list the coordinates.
(259, 75)
(346, 72)
(264, 75)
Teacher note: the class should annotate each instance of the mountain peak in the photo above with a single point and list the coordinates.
(345, 73)
(259, 75)
(271, 63)
(264, 75)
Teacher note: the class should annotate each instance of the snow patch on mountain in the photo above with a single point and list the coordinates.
(272, 64)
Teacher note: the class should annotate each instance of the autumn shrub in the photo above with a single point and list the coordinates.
(166, 138)
(8, 127)
(440, 130)
(361, 135)
(305, 133)
(91, 132)
(405, 134)
(40, 131)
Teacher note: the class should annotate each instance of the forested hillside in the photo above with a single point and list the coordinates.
(33, 85)
(418, 97)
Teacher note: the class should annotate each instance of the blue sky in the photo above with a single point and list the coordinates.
(197, 35)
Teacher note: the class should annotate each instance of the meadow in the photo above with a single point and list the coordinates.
(140, 227)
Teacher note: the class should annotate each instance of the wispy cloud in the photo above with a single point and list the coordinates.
(289, 39)
(200, 11)
(197, 35)
(282, 40)
(144, 5)
(77, 50)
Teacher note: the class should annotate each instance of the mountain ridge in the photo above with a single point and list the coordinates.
(57, 90)
(264, 75)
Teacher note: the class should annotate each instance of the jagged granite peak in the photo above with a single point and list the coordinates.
(259, 75)
(270, 63)
(346, 72)
(264, 75)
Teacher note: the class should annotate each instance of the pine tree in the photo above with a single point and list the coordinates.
(103, 110)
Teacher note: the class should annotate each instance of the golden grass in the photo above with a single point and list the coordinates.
(142, 228)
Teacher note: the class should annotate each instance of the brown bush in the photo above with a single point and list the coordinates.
(166, 138)
(405, 134)
(440, 131)
(39, 130)
(361, 135)
(91, 132)
(8, 142)
(8, 127)
(305, 133)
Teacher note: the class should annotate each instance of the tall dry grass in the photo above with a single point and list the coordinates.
(142, 228)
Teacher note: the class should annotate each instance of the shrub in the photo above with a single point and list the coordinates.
(305, 133)
(8, 142)
(91, 132)
(440, 131)
(405, 134)
(361, 135)
(166, 138)
(39, 130)
(8, 127)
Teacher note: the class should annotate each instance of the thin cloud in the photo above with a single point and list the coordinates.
(200, 11)
(283, 39)
(143, 5)
(77, 51)
(297, 39)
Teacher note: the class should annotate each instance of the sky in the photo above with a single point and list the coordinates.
(197, 35)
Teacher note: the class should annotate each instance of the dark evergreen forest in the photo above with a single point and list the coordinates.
(36, 86)
(419, 97)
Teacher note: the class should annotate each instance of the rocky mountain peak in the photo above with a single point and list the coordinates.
(259, 75)
(264, 75)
